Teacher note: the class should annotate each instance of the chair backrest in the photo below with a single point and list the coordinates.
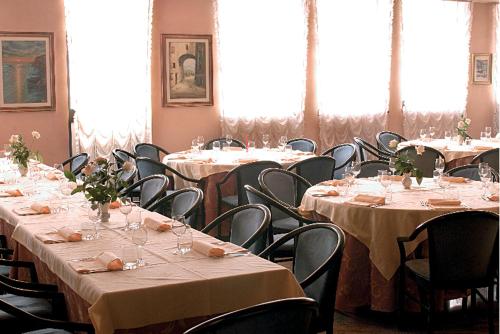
(249, 224)
(303, 144)
(152, 188)
(463, 248)
(148, 150)
(426, 161)
(121, 156)
(282, 185)
(467, 171)
(383, 139)
(318, 253)
(343, 155)
(370, 168)
(292, 316)
(249, 174)
(314, 170)
(128, 176)
(147, 166)
(183, 202)
(490, 156)
(364, 149)
(77, 162)
(234, 143)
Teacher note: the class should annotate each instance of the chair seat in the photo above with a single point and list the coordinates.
(37, 306)
(5, 270)
(48, 331)
(419, 267)
(284, 225)
(285, 250)
(230, 200)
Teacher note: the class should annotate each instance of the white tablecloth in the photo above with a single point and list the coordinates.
(377, 228)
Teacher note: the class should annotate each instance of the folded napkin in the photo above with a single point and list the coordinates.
(443, 202)
(246, 160)
(481, 148)
(11, 193)
(114, 205)
(396, 177)
(40, 208)
(203, 160)
(54, 176)
(493, 198)
(378, 200)
(234, 148)
(305, 213)
(176, 157)
(157, 225)
(455, 179)
(302, 153)
(106, 261)
(333, 183)
(64, 234)
(208, 249)
(325, 192)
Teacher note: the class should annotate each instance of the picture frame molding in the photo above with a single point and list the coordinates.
(484, 57)
(167, 101)
(50, 72)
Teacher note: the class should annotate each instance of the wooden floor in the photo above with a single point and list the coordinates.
(454, 321)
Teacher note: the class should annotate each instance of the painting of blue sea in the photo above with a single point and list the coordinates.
(24, 71)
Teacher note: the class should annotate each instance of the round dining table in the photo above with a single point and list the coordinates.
(371, 256)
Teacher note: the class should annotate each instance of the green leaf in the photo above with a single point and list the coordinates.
(69, 175)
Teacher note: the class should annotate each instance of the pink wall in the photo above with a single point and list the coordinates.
(175, 127)
(43, 16)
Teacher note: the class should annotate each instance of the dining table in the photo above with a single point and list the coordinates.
(455, 153)
(368, 275)
(210, 166)
(168, 294)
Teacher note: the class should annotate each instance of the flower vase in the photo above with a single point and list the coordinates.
(461, 140)
(23, 170)
(104, 212)
(406, 181)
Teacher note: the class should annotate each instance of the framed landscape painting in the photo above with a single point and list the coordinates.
(481, 68)
(186, 70)
(27, 71)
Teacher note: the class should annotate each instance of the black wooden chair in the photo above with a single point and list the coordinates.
(370, 168)
(463, 254)
(303, 144)
(343, 155)
(234, 143)
(383, 139)
(148, 150)
(490, 156)
(314, 170)
(291, 316)
(76, 163)
(121, 156)
(318, 252)
(364, 149)
(426, 161)
(152, 188)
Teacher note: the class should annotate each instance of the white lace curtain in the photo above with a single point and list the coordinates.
(434, 83)
(353, 70)
(262, 47)
(109, 66)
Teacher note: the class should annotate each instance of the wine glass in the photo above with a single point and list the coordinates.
(194, 145)
(439, 165)
(7, 151)
(355, 168)
(392, 165)
(229, 140)
(282, 143)
(447, 135)
(200, 141)
(265, 140)
(139, 238)
(482, 136)
(384, 180)
(216, 145)
(423, 134)
(179, 227)
(432, 131)
(59, 168)
(484, 174)
(125, 209)
(444, 182)
(94, 214)
(487, 131)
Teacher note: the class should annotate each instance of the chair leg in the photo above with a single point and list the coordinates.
(401, 300)
(491, 314)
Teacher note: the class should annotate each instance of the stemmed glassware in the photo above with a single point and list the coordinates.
(179, 227)
(200, 141)
(484, 174)
(94, 214)
(139, 238)
(392, 165)
(385, 180)
(282, 143)
(487, 131)
(125, 209)
(229, 140)
(423, 134)
(447, 135)
(439, 165)
(355, 168)
(7, 151)
(432, 131)
(265, 140)
(443, 181)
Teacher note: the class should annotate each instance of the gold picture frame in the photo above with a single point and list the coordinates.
(27, 80)
(481, 68)
(187, 78)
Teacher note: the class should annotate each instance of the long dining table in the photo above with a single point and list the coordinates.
(371, 257)
(211, 166)
(163, 296)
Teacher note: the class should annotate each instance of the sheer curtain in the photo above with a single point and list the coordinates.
(496, 77)
(434, 64)
(109, 67)
(262, 63)
(353, 69)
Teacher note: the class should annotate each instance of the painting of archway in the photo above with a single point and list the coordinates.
(187, 70)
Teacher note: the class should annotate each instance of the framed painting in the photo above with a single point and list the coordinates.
(481, 68)
(186, 70)
(27, 71)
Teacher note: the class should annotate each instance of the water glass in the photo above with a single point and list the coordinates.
(185, 241)
(288, 148)
(135, 218)
(423, 134)
(201, 142)
(179, 227)
(88, 230)
(225, 146)
(229, 139)
(265, 140)
(129, 257)
(435, 176)
(125, 209)
(392, 165)
(282, 142)
(7, 151)
(432, 131)
(468, 141)
(355, 168)
(443, 182)
(482, 136)
(216, 145)
(439, 165)
(139, 238)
